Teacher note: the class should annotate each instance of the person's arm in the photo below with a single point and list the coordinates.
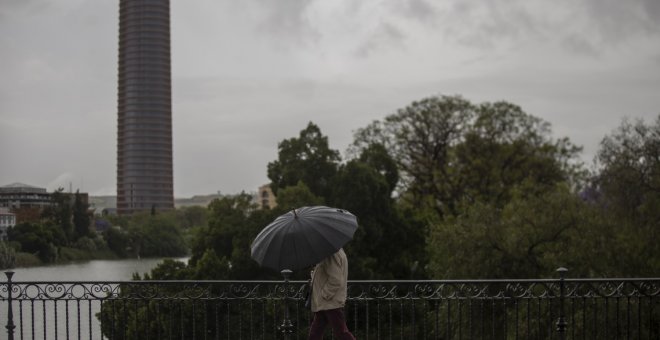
(333, 268)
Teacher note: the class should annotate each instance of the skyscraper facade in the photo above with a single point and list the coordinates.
(144, 139)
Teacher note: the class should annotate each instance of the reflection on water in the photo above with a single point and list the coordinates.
(96, 270)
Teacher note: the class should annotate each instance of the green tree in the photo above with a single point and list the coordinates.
(60, 212)
(307, 158)
(156, 235)
(627, 191)
(449, 150)
(190, 217)
(530, 236)
(461, 166)
(225, 243)
(297, 196)
(210, 266)
(163, 238)
(39, 239)
(505, 147)
(7, 256)
(420, 138)
(385, 246)
(117, 240)
(226, 216)
(81, 220)
(629, 171)
(169, 269)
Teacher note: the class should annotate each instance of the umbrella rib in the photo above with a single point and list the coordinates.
(303, 238)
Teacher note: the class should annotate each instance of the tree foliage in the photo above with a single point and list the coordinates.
(626, 189)
(307, 158)
(448, 189)
(225, 243)
(7, 256)
(385, 245)
(39, 239)
(450, 151)
(529, 237)
(445, 188)
(364, 186)
(81, 220)
(155, 235)
(60, 212)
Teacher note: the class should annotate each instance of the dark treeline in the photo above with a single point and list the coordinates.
(448, 189)
(64, 231)
(443, 189)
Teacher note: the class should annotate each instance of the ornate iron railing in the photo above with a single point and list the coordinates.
(447, 309)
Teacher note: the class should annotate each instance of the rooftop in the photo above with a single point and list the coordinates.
(21, 187)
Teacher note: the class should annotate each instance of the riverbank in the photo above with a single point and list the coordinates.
(93, 270)
(65, 255)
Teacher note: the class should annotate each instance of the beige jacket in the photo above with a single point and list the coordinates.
(329, 282)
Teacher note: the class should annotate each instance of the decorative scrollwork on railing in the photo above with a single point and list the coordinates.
(357, 290)
(102, 290)
(55, 291)
(428, 291)
(649, 288)
(378, 290)
(240, 291)
(612, 288)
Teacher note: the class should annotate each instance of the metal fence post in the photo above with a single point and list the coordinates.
(10, 314)
(287, 327)
(561, 321)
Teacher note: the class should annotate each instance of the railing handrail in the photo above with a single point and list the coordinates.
(458, 281)
(552, 298)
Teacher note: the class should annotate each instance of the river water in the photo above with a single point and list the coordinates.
(67, 319)
(96, 270)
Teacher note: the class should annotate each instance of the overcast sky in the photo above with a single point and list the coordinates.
(250, 73)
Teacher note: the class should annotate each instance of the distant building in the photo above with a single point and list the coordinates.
(7, 220)
(102, 203)
(144, 124)
(265, 198)
(196, 201)
(27, 202)
(19, 195)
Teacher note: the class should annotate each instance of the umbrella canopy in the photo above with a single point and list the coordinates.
(303, 237)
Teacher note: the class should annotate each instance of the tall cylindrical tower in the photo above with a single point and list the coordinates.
(144, 139)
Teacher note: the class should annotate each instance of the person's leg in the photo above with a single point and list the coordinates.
(318, 326)
(338, 322)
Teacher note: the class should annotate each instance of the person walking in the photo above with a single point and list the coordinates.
(328, 296)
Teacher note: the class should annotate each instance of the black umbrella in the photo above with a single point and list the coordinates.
(303, 237)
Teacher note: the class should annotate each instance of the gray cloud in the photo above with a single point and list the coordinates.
(417, 9)
(652, 8)
(287, 20)
(248, 74)
(578, 45)
(14, 7)
(616, 20)
(485, 25)
(385, 36)
(656, 59)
